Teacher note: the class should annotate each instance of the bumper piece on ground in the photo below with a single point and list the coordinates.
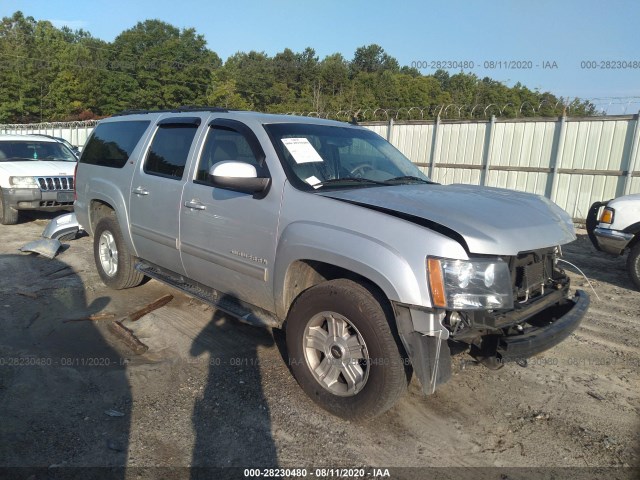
(66, 226)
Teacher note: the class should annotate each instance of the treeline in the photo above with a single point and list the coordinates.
(56, 74)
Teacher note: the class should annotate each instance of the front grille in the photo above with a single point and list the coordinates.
(48, 184)
(53, 203)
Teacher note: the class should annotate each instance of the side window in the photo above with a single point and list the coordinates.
(112, 143)
(223, 144)
(169, 150)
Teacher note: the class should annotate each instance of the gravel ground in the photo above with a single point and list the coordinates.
(213, 392)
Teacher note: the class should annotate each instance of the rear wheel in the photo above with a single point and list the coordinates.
(633, 264)
(114, 261)
(343, 351)
(8, 215)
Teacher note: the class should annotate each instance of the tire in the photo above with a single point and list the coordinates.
(361, 320)
(114, 260)
(8, 215)
(633, 264)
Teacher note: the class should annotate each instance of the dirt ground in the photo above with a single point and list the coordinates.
(213, 392)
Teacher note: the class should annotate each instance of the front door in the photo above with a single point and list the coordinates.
(156, 191)
(228, 238)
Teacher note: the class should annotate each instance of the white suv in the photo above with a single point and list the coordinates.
(36, 173)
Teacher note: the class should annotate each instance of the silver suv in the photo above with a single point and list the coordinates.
(327, 230)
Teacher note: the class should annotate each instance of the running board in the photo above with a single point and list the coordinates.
(243, 311)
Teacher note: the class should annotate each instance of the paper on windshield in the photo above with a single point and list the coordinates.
(313, 181)
(301, 150)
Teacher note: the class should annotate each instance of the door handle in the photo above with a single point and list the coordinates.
(195, 205)
(140, 191)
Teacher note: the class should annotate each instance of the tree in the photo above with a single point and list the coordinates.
(372, 59)
(169, 67)
(49, 73)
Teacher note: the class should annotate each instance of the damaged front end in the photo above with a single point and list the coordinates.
(543, 313)
(536, 314)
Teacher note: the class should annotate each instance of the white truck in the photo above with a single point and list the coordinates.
(36, 173)
(617, 230)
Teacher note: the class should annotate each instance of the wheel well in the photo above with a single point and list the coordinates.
(304, 274)
(633, 241)
(97, 210)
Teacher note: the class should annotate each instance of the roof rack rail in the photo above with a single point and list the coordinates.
(186, 108)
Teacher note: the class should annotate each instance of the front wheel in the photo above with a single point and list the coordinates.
(114, 261)
(343, 350)
(633, 264)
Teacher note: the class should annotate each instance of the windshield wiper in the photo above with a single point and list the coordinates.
(348, 180)
(406, 178)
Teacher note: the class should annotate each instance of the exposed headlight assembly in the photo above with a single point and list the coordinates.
(23, 182)
(470, 284)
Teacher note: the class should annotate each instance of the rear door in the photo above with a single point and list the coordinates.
(228, 238)
(156, 191)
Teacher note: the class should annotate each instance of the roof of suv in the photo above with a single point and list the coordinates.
(239, 114)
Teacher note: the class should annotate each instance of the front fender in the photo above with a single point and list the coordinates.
(353, 251)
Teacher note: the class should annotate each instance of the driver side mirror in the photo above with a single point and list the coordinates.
(237, 176)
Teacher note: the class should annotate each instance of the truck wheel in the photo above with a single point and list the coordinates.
(633, 264)
(343, 350)
(8, 215)
(112, 256)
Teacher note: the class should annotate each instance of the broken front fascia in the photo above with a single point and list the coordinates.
(425, 341)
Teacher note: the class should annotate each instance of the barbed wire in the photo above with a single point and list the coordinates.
(603, 106)
(452, 111)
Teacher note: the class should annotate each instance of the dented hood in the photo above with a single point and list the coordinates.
(491, 221)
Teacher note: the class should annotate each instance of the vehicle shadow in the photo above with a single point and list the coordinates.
(231, 421)
(58, 375)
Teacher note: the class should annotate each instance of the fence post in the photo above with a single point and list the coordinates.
(486, 155)
(389, 129)
(435, 148)
(633, 156)
(556, 162)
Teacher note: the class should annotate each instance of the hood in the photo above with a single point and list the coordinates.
(38, 168)
(491, 221)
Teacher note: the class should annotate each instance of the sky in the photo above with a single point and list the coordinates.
(560, 46)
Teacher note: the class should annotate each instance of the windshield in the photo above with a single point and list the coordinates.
(322, 156)
(21, 150)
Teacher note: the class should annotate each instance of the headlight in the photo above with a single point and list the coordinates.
(470, 285)
(23, 182)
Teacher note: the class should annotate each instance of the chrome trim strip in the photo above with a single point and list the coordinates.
(153, 235)
(228, 262)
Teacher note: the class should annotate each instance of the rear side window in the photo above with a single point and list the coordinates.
(169, 150)
(112, 143)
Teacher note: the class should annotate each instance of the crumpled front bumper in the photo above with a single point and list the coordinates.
(430, 354)
(536, 340)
